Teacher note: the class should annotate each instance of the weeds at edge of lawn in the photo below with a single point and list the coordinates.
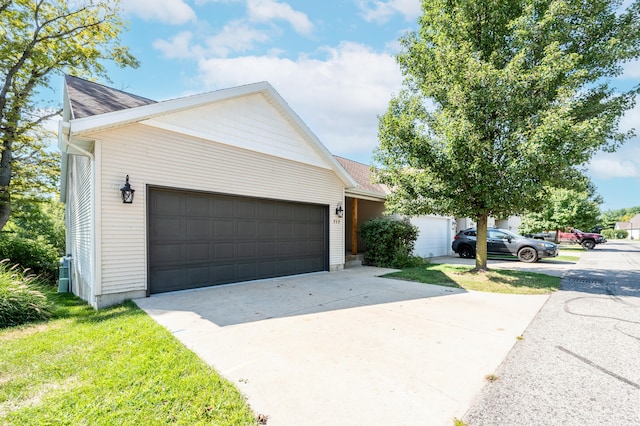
(494, 281)
(113, 366)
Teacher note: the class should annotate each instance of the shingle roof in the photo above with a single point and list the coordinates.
(623, 225)
(88, 98)
(361, 173)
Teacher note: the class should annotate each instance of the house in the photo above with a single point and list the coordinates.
(229, 186)
(632, 227)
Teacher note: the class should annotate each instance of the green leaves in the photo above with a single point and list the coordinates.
(503, 99)
(41, 38)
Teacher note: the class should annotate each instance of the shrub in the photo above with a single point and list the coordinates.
(21, 300)
(36, 255)
(617, 234)
(390, 243)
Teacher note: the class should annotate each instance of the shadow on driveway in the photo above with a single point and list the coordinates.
(297, 295)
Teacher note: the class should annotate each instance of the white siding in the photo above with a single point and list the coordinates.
(435, 235)
(250, 122)
(151, 156)
(79, 210)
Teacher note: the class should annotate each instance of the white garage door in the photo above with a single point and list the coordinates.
(435, 236)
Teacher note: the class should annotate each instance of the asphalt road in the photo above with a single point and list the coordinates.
(579, 360)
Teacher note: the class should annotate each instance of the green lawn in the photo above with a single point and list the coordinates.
(495, 281)
(113, 366)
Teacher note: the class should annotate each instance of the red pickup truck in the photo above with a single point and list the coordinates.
(588, 240)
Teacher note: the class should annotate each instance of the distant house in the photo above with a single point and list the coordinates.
(632, 227)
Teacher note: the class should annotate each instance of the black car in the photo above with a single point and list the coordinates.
(503, 242)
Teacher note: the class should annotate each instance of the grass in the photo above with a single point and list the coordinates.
(495, 281)
(113, 366)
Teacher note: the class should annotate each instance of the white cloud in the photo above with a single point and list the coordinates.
(610, 167)
(381, 11)
(236, 36)
(338, 97)
(625, 162)
(179, 47)
(268, 10)
(174, 12)
(631, 70)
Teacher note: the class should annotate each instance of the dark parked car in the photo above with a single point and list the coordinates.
(501, 241)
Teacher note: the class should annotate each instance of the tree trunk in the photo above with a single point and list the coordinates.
(5, 180)
(481, 242)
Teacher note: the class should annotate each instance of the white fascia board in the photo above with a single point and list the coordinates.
(365, 195)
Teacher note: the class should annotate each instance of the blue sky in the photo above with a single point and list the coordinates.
(332, 61)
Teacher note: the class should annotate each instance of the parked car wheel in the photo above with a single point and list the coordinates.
(528, 255)
(466, 252)
(588, 244)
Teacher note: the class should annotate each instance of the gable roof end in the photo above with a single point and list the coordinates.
(115, 108)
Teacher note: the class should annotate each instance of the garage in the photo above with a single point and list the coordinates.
(198, 239)
(434, 237)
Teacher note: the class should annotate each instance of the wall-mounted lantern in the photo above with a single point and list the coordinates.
(127, 192)
(339, 211)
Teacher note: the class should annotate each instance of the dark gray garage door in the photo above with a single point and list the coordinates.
(200, 239)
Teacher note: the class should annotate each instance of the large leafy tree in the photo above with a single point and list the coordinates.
(501, 100)
(39, 39)
(36, 212)
(564, 208)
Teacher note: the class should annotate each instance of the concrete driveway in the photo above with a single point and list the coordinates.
(348, 347)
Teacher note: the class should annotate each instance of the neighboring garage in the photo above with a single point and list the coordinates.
(435, 236)
(200, 239)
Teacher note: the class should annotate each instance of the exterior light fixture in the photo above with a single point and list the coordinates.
(127, 192)
(339, 211)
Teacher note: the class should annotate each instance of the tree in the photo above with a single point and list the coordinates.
(502, 100)
(35, 180)
(42, 38)
(564, 208)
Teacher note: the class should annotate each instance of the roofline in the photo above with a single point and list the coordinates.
(86, 125)
(365, 195)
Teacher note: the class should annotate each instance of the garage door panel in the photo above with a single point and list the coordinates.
(267, 230)
(198, 239)
(224, 251)
(197, 205)
(197, 252)
(245, 209)
(222, 228)
(266, 211)
(167, 228)
(198, 276)
(167, 204)
(246, 250)
(223, 208)
(166, 253)
(283, 212)
(246, 229)
(167, 279)
(197, 228)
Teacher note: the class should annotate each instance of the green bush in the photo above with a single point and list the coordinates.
(21, 300)
(36, 255)
(390, 243)
(617, 234)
